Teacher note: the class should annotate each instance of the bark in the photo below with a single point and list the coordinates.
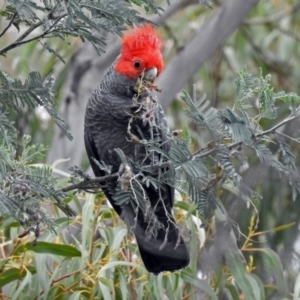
(87, 69)
(227, 18)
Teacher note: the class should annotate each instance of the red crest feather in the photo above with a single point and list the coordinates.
(143, 45)
(141, 38)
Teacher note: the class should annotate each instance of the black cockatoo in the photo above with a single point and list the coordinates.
(109, 124)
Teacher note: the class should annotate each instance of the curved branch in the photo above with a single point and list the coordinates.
(274, 128)
(274, 18)
(20, 40)
(16, 43)
(88, 182)
(205, 42)
(8, 25)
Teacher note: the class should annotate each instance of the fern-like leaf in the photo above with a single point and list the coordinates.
(244, 89)
(203, 116)
(265, 156)
(32, 93)
(237, 125)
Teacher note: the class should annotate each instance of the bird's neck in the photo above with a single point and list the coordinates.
(118, 84)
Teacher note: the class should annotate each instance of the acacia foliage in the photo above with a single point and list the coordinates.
(24, 185)
(108, 260)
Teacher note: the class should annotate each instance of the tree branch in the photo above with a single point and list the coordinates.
(16, 44)
(87, 183)
(90, 183)
(268, 131)
(8, 25)
(20, 40)
(274, 128)
(274, 18)
(270, 60)
(205, 42)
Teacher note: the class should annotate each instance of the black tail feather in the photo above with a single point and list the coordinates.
(159, 258)
(165, 252)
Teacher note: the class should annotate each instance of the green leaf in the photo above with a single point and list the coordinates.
(51, 50)
(257, 286)
(119, 235)
(107, 288)
(49, 248)
(21, 286)
(237, 125)
(123, 284)
(273, 265)
(14, 274)
(186, 135)
(4, 262)
(158, 286)
(201, 115)
(33, 92)
(244, 89)
(87, 217)
(231, 292)
(188, 207)
(113, 264)
(267, 107)
(201, 284)
(287, 97)
(238, 270)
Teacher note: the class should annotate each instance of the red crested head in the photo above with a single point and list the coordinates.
(140, 52)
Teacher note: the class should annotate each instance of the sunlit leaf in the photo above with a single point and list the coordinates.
(238, 270)
(48, 248)
(14, 274)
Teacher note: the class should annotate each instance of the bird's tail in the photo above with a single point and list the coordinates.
(164, 252)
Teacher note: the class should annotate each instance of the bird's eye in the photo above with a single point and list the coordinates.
(137, 64)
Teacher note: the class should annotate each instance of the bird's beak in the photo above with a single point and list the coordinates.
(150, 74)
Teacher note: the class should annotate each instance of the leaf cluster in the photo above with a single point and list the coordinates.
(24, 184)
(221, 162)
(29, 95)
(88, 20)
(200, 176)
(100, 257)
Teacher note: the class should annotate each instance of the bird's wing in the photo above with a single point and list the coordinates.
(92, 152)
(165, 136)
(167, 251)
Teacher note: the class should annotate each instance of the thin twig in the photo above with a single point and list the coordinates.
(16, 44)
(61, 278)
(272, 62)
(290, 34)
(21, 37)
(20, 40)
(288, 137)
(85, 184)
(204, 154)
(273, 129)
(89, 182)
(92, 181)
(8, 25)
(274, 18)
(265, 132)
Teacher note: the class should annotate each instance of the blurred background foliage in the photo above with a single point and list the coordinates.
(98, 262)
